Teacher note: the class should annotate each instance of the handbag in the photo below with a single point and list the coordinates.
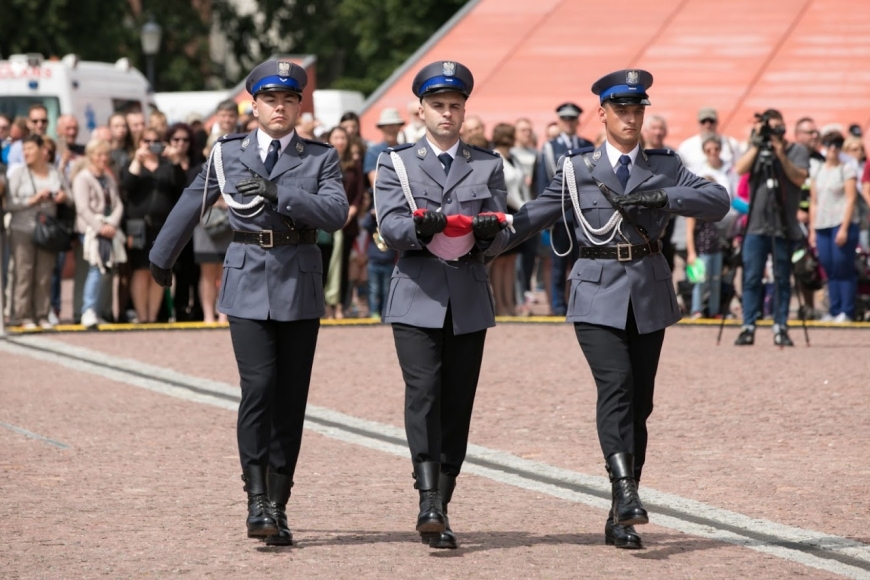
(135, 229)
(50, 233)
(218, 222)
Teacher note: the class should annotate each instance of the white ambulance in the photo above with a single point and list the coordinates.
(91, 91)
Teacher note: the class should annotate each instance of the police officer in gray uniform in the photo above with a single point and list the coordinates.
(280, 189)
(622, 296)
(440, 303)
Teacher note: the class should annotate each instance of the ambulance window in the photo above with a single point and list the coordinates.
(17, 106)
(126, 106)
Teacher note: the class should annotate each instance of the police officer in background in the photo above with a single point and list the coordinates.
(280, 189)
(563, 254)
(440, 304)
(622, 296)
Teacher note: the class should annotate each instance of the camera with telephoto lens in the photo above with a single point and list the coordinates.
(762, 137)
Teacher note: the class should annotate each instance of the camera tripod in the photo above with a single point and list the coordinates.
(765, 172)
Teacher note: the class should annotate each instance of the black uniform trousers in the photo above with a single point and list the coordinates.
(440, 370)
(274, 360)
(624, 365)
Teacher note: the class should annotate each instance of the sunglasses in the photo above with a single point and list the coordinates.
(707, 121)
(40, 121)
(179, 139)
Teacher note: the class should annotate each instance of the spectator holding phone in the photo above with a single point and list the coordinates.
(36, 187)
(153, 184)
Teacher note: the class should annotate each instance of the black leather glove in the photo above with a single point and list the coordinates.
(653, 198)
(161, 275)
(429, 224)
(258, 186)
(486, 227)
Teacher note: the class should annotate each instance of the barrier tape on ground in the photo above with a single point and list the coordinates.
(818, 550)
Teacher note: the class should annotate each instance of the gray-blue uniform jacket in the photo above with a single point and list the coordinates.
(601, 289)
(422, 286)
(283, 282)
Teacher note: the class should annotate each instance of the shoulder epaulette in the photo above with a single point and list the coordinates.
(670, 152)
(579, 151)
(398, 147)
(316, 142)
(483, 149)
(232, 137)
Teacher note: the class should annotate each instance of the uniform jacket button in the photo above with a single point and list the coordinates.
(594, 203)
(449, 200)
(473, 195)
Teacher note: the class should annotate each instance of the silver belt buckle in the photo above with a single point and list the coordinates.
(623, 252)
(270, 243)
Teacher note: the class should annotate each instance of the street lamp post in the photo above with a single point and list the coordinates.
(151, 32)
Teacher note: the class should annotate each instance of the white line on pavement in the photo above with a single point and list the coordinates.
(818, 550)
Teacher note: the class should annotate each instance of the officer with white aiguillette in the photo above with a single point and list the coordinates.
(622, 295)
(280, 189)
(428, 199)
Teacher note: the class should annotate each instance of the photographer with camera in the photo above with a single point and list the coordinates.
(153, 184)
(777, 170)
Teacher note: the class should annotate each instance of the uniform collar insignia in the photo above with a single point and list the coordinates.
(421, 152)
(299, 147)
(645, 158)
(467, 154)
(245, 143)
(597, 155)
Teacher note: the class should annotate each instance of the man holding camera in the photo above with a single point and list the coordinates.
(772, 226)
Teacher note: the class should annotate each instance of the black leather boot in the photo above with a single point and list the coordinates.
(260, 521)
(279, 493)
(624, 537)
(627, 507)
(445, 539)
(431, 517)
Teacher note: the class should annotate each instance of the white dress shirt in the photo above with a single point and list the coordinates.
(613, 154)
(264, 141)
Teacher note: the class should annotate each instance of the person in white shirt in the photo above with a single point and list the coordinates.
(691, 151)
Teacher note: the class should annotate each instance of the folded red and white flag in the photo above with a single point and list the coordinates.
(457, 239)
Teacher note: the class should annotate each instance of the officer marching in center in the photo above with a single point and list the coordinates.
(280, 188)
(622, 296)
(428, 198)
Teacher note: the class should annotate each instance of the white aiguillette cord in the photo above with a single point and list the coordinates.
(611, 227)
(258, 201)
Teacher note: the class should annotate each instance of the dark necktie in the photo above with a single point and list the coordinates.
(272, 156)
(446, 160)
(622, 171)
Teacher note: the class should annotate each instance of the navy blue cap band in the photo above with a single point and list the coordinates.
(621, 89)
(275, 81)
(453, 82)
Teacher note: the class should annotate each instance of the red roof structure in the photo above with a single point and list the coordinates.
(803, 57)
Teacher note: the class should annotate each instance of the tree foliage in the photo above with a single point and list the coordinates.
(358, 43)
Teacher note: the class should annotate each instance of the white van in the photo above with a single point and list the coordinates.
(91, 91)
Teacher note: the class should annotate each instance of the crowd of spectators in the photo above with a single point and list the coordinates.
(125, 181)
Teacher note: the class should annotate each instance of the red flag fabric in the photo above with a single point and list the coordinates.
(460, 225)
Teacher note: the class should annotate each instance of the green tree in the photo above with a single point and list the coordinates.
(358, 43)
(107, 31)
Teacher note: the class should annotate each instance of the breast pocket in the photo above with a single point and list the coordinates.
(472, 197)
(427, 197)
(234, 263)
(596, 210)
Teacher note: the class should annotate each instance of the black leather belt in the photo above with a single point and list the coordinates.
(621, 252)
(424, 253)
(269, 238)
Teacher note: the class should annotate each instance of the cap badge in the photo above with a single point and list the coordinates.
(299, 147)
(283, 68)
(421, 152)
(245, 143)
(597, 155)
(448, 69)
(467, 154)
(631, 77)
